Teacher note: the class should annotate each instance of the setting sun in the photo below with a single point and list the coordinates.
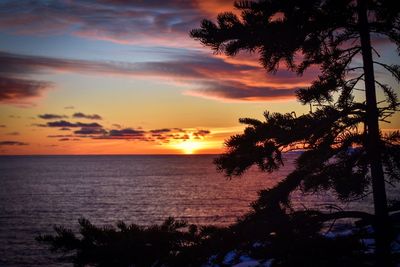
(189, 146)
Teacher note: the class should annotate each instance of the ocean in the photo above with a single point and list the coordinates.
(38, 192)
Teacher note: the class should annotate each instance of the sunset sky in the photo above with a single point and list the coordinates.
(124, 77)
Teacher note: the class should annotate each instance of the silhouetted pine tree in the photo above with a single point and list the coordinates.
(345, 150)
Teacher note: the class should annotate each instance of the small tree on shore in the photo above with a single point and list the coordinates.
(344, 148)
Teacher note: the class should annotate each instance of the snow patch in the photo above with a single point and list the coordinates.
(229, 257)
(252, 263)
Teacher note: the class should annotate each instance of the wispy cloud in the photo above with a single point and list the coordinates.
(67, 124)
(13, 143)
(152, 22)
(21, 91)
(232, 91)
(97, 132)
(81, 115)
(13, 133)
(197, 66)
(127, 133)
(160, 131)
(159, 136)
(90, 131)
(145, 22)
(203, 74)
(48, 116)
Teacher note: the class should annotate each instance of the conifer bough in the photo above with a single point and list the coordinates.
(345, 150)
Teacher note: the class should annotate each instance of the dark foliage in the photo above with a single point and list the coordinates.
(173, 243)
(334, 139)
(290, 239)
(344, 151)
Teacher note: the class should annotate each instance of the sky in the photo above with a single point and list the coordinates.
(124, 77)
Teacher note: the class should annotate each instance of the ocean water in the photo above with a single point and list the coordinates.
(37, 192)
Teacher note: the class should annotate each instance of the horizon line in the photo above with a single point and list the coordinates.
(138, 154)
(134, 154)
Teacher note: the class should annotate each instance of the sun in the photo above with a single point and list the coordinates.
(189, 146)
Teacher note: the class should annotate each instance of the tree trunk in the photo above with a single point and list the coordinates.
(373, 142)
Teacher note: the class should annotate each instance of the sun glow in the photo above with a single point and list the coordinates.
(189, 146)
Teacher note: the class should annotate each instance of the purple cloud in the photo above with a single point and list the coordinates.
(47, 116)
(208, 76)
(127, 132)
(12, 143)
(96, 131)
(90, 131)
(142, 22)
(195, 66)
(63, 124)
(159, 131)
(201, 133)
(86, 116)
(16, 91)
(240, 91)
